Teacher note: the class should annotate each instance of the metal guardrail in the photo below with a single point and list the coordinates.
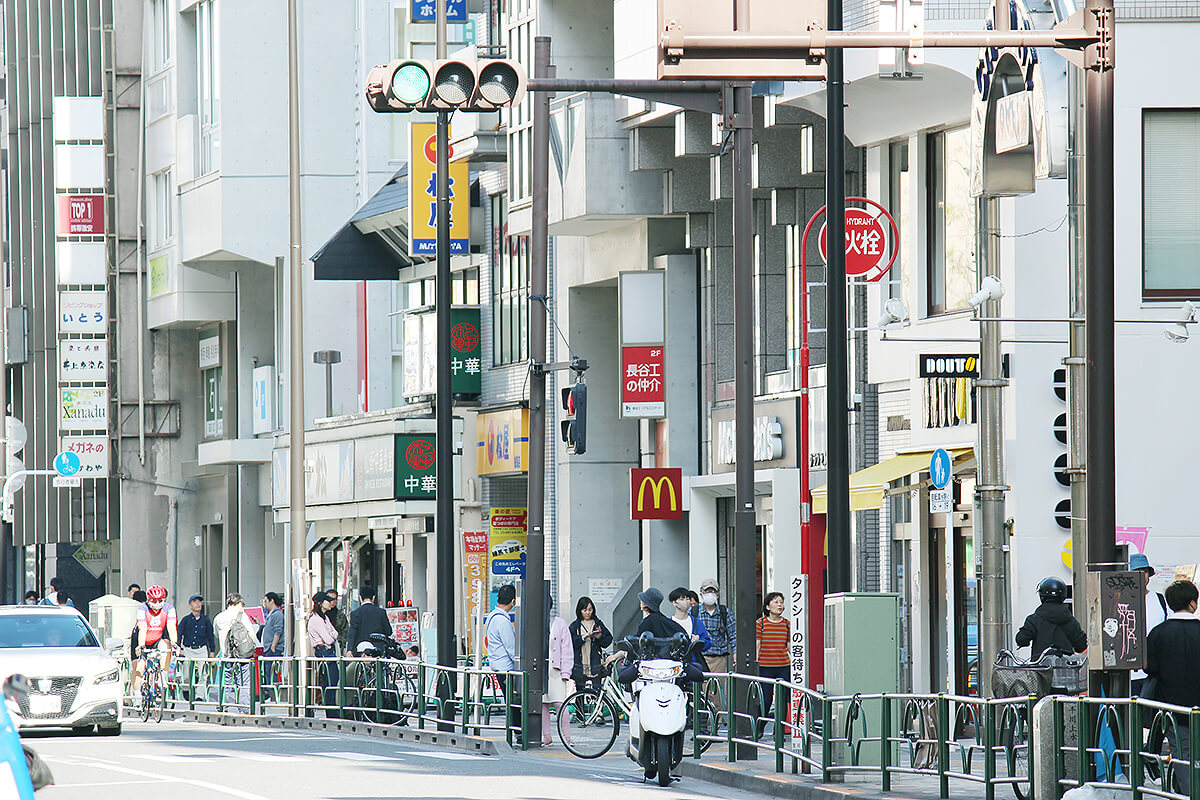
(1116, 732)
(378, 690)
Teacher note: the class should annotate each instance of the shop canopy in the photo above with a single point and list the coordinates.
(869, 486)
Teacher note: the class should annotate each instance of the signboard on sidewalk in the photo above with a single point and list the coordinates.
(406, 625)
(798, 654)
(475, 567)
(422, 195)
(507, 541)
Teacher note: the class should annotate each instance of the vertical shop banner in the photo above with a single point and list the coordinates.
(416, 466)
(507, 541)
(466, 351)
(798, 653)
(83, 409)
(642, 307)
(83, 360)
(422, 196)
(475, 568)
(643, 391)
(80, 215)
(83, 312)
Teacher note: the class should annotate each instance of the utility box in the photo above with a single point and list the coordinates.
(113, 617)
(862, 656)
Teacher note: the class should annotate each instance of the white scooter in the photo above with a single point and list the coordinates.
(659, 715)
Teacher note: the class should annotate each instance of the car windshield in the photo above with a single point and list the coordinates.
(45, 630)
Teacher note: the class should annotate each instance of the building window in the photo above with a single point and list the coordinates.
(161, 33)
(520, 118)
(950, 247)
(162, 196)
(207, 70)
(806, 150)
(1170, 204)
(510, 302)
(899, 188)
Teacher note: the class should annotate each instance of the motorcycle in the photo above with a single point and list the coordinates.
(659, 714)
(21, 770)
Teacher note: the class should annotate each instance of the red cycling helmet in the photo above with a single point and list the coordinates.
(156, 593)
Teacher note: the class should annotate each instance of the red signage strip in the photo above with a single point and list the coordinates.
(81, 215)
(656, 493)
(643, 381)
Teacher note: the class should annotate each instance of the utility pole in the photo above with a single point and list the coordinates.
(837, 395)
(447, 587)
(1076, 362)
(298, 545)
(1102, 555)
(534, 639)
(6, 586)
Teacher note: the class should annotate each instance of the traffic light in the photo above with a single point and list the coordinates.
(574, 427)
(413, 84)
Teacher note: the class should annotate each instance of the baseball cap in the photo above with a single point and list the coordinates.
(710, 583)
(196, 597)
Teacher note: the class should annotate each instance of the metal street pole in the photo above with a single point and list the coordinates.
(298, 546)
(447, 655)
(1076, 362)
(534, 638)
(7, 594)
(837, 396)
(740, 120)
(993, 604)
(1102, 553)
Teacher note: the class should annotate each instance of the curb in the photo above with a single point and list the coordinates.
(770, 785)
(456, 741)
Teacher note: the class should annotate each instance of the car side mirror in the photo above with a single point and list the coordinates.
(112, 645)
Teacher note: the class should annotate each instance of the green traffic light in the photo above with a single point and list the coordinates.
(410, 84)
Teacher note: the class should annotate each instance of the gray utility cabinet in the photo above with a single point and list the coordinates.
(862, 656)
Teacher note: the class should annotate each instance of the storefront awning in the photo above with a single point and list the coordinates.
(867, 486)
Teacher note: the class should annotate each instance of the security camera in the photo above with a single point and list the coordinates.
(893, 311)
(990, 288)
(1178, 332)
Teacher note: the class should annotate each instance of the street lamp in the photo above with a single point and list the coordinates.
(328, 358)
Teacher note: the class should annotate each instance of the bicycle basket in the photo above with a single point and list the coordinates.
(1010, 681)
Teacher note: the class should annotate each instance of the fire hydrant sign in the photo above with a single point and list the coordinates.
(867, 245)
(643, 382)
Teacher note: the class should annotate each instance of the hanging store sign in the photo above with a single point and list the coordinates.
(93, 454)
(374, 464)
(507, 541)
(502, 442)
(83, 409)
(643, 386)
(948, 365)
(643, 327)
(83, 360)
(80, 215)
(416, 467)
(210, 350)
(420, 353)
(656, 493)
(422, 195)
(83, 312)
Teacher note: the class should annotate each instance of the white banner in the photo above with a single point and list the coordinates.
(798, 652)
(83, 409)
(93, 452)
(83, 360)
(82, 312)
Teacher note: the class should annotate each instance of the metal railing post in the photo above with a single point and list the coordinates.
(508, 715)
(778, 737)
(943, 736)
(826, 727)
(1085, 738)
(255, 686)
(379, 691)
(466, 699)
(339, 662)
(1135, 746)
(421, 696)
(989, 745)
(191, 685)
(294, 690)
(1030, 702)
(525, 731)
(221, 686)
(1193, 765)
(1060, 762)
(697, 694)
(885, 743)
(730, 715)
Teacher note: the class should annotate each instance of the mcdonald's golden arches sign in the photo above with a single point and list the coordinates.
(656, 493)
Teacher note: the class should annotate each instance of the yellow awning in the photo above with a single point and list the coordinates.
(867, 486)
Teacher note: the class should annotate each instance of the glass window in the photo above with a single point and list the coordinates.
(214, 403)
(161, 44)
(950, 248)
(1170, 204)
(899, 187)
(162, 196)
(207, 72)
(45, 630)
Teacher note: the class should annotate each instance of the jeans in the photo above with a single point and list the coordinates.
(270, 667)
(1179, 738)
(237, 681)
(327, 677)
(768, 689)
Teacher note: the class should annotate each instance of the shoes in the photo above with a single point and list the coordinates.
(547, 742)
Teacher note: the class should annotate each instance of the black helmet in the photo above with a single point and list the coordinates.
(1052, 590)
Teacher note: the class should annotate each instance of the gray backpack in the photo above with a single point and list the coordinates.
(239, 642)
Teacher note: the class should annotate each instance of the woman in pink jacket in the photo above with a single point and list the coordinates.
(558, 684)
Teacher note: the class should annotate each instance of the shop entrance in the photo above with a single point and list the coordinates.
(725, 514)
(954, 607)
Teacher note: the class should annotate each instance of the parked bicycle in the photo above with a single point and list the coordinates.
(384, 690)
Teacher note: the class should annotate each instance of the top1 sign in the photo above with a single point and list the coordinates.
(80, 215)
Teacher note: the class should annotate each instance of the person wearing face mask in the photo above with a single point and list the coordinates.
(158, 626)
(721, 626)
(691, 626)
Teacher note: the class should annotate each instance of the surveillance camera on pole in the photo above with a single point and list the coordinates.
(893, 311)
(990, 288)
(414, 84)
(1178, 332)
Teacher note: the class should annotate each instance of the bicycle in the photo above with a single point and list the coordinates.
(1054, 672)
(382, 691)
(152, 698)
(595, 717)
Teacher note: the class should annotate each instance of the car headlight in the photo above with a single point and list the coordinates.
(108, 677)
(660, 673)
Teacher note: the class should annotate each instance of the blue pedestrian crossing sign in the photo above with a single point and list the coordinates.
(66, 464)
(426, 11)
(939, 469)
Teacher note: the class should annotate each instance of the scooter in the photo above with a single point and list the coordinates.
(659, 714)
(21, 770)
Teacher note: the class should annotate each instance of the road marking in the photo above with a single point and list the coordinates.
(270, 759)
(443, 756)
(212, 787)
(182, 759)
(354, 756)
(101, 783)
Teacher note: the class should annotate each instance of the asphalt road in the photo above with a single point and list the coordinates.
(194, 761)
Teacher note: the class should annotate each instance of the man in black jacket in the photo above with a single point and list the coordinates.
(1172, 652)
(367, 619)
(1052, 625)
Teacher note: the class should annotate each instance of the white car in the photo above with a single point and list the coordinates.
(73, 681)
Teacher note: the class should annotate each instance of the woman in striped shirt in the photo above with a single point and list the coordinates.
(772, 633)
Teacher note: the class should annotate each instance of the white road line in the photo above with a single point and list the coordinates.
(101, 783)
(348, 756)
(212, 787)
(199, 758)
(270, 759)
(443, 756)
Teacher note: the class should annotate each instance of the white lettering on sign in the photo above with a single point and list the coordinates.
(768, 440)
(954, 365)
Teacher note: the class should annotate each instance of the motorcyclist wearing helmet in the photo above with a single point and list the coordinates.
(158, 627)
(1052, 625)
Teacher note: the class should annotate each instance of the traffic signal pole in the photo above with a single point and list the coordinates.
(447, 587)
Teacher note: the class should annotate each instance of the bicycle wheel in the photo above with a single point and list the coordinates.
(160, 702)
(588, 724)
(146, 699)
(1014, 738)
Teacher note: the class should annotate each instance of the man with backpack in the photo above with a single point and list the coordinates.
(721, 625)
(235, 634)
